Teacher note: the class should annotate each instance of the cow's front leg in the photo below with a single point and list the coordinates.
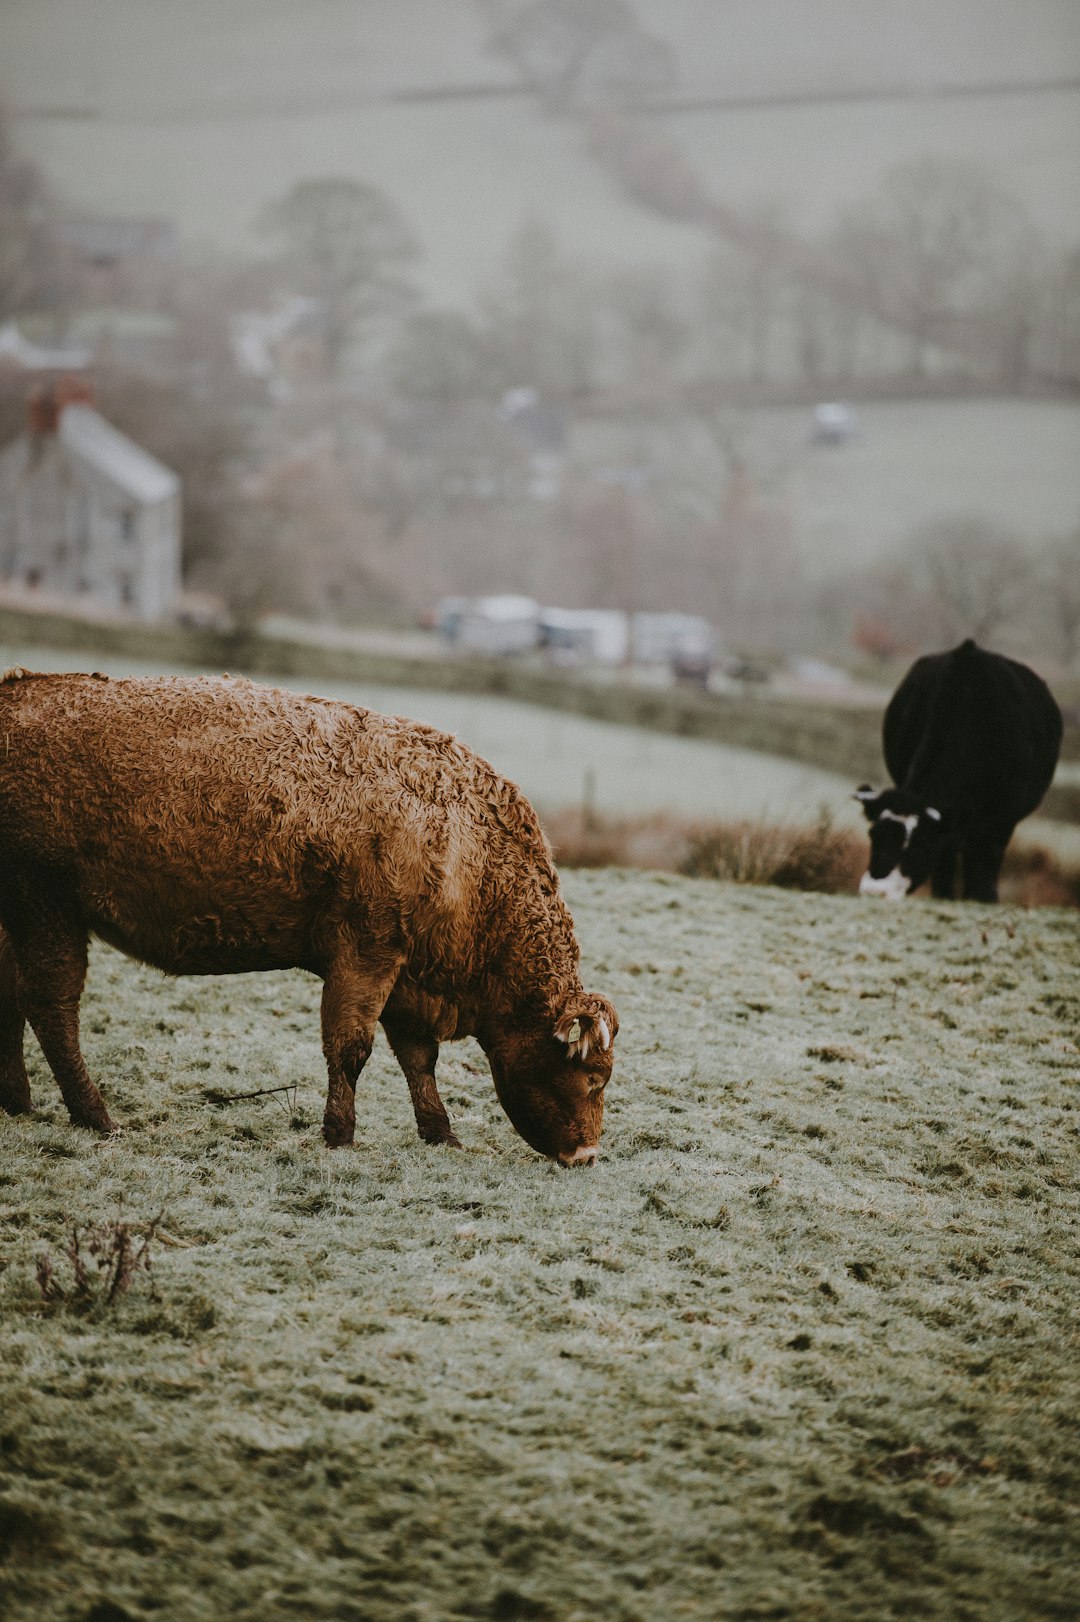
(14, 1084)
(417, 1053)
(354, 995)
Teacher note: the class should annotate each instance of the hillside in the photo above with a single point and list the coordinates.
(204, 114)
(801, 1345)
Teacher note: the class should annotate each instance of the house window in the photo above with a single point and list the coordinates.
(127, 590)
(127, 526)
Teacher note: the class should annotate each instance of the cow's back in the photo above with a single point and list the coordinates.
(967, 725)
(209, 823)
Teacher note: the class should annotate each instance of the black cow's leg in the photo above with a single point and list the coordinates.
(50, 951)
(943, 876)
(354, 995)
(14, 1084)
(982, 864)
(417, 1056)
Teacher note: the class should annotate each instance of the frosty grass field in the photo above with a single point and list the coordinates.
(802, 1345)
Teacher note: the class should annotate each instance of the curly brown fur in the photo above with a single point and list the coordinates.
(212, 825)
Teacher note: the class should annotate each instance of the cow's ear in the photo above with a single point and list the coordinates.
(868, 799)
(582, 1031)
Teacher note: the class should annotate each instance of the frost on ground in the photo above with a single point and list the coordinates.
(802, 1345)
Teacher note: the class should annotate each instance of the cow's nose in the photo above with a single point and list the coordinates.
(581, 1157)
(893, 886)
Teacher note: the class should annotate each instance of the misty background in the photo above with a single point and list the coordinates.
(546, 296)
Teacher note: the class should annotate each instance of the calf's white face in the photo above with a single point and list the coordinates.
(904, 840)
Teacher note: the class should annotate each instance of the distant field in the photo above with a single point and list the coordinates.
(566, 761)
(561, 759)
(1016, 462)
(207, 111)
(801, 1346)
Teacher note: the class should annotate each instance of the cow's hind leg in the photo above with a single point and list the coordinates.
(355, 990)
(50, 951)
(982, 864)
(943, 876)
(14, 1084)
(417, 1054)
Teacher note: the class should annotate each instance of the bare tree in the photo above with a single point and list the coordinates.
(441, 355)
(978, 574)
(1061, 595)
(606, 545)
(652, 334)
(892, 609)
(31, 264)
(571, 50)
(299, 541)
(741, 301)
(540, 317)
(933, 249)
(348, 247)
(1057, 339)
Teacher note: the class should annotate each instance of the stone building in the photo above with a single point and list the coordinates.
(87, 514)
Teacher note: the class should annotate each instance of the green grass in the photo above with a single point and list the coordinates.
(802, 1345)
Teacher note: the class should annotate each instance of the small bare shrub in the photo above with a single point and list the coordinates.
(820, 857)
(103, 1262)
(1034, 877)
(815, 857)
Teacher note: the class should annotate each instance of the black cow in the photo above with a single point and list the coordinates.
(971, 739)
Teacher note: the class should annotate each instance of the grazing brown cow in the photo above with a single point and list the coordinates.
(211, 826)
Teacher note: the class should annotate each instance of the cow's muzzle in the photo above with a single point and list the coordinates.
(893, 886)
(580, 1157)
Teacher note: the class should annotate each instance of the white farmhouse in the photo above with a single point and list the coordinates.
(86, 513)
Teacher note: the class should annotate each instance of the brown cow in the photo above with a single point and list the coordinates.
(212, 826)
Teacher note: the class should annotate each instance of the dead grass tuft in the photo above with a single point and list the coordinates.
(102, 1263)
(818, 856)
(1034, 877)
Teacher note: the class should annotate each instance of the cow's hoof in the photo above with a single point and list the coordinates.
(336, 1136)
(102, 1123)
(16, 1100)
(439, 1132)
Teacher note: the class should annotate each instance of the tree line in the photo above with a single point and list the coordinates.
(379, 462)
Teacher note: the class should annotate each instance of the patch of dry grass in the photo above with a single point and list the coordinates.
(815, 856)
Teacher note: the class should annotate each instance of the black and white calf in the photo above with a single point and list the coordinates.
(971, 739)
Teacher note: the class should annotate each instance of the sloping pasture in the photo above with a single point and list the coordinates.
(803, 1344)
(204, 115)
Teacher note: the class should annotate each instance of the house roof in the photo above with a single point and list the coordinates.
(85, 432)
